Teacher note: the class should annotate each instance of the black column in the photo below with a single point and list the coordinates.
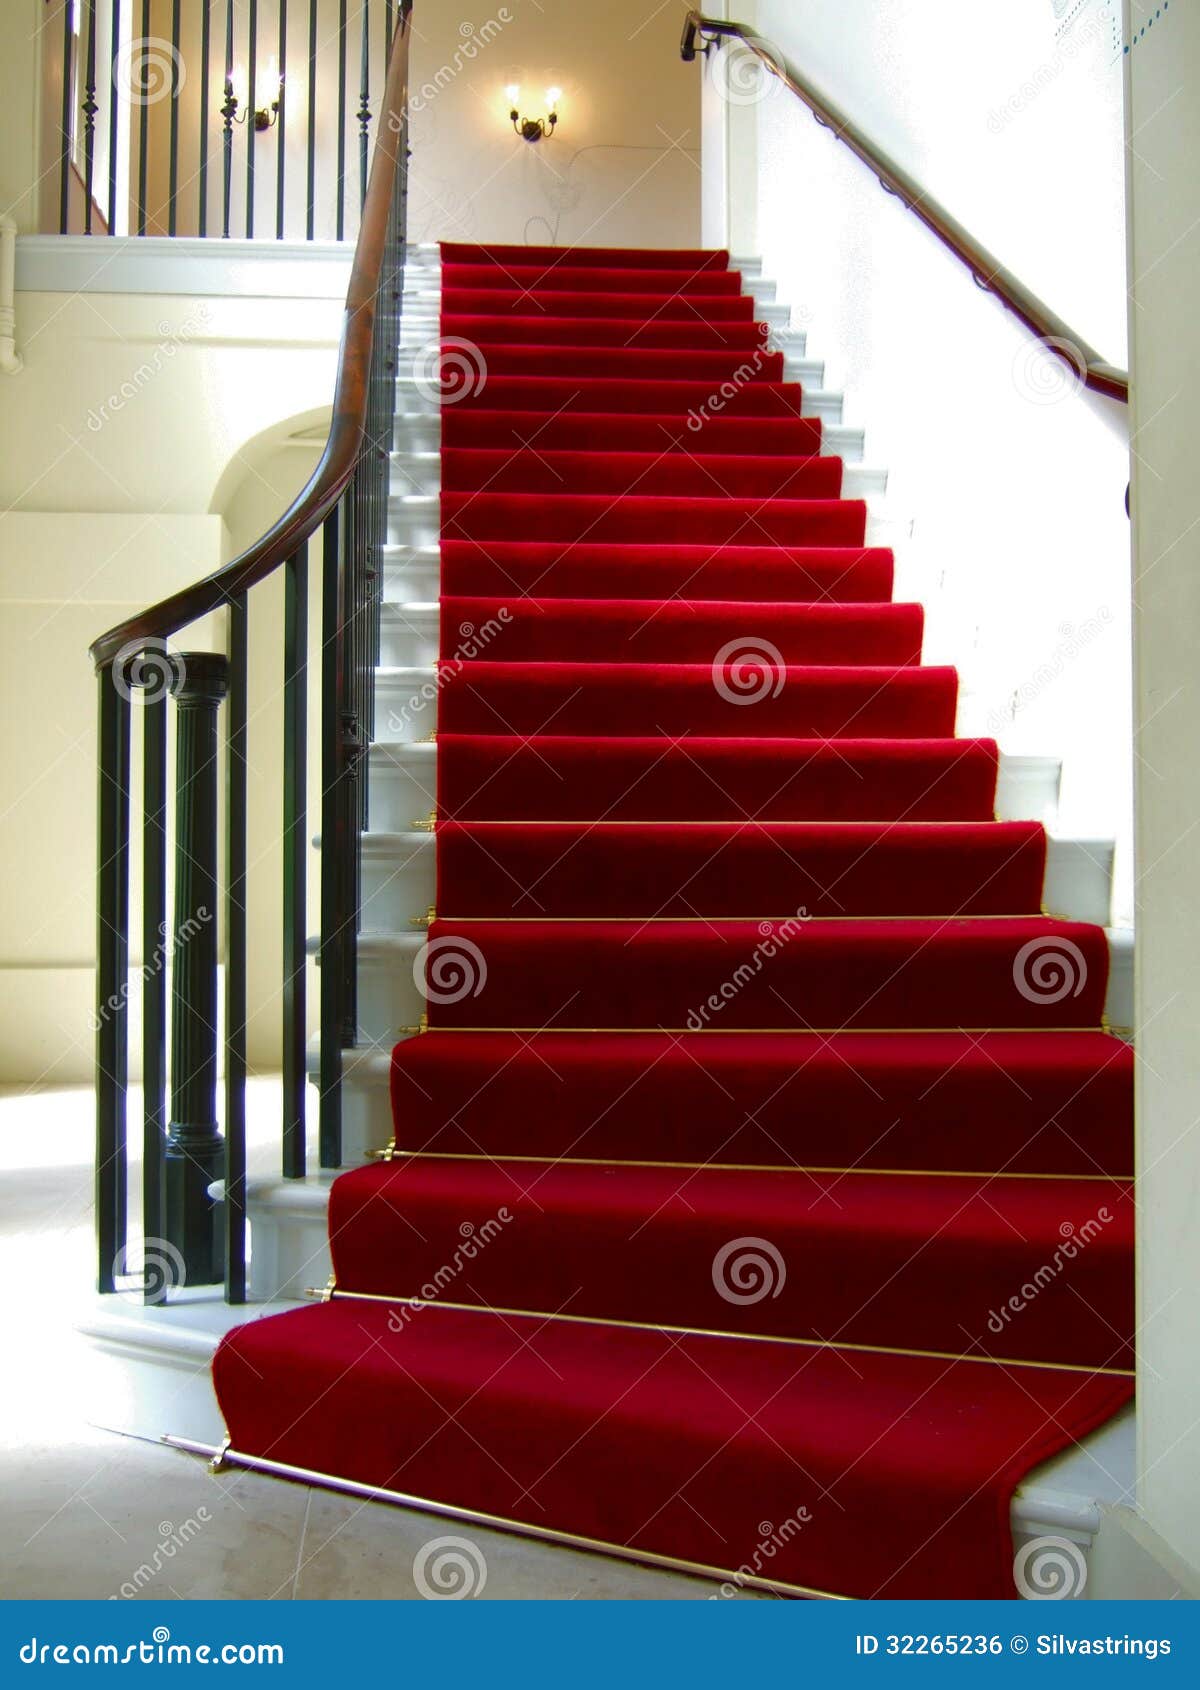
(194, 1153)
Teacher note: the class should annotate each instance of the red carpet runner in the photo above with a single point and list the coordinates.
(762, 1180)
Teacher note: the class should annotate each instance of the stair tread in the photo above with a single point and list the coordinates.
(586, 570)
(442, 1404)
(726, 634)
(914, 1261)
(779, 972)
(844, 1099)
(713, 869)
(494, 773)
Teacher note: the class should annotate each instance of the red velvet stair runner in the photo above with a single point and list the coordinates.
(770, 1162)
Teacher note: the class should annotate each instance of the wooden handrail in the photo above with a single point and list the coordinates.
(328, 481)
(701, 34)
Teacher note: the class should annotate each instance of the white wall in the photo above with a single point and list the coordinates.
(1006, 492)
(1164, 120)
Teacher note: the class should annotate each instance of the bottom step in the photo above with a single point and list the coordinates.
(148, 1374)
(871, 1474)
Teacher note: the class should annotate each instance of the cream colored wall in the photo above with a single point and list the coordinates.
(19, 111)
(64, 578)
(133, 461)
(623, 167)
(1164, 195)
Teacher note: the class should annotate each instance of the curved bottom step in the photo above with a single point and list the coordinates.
(670, 1446)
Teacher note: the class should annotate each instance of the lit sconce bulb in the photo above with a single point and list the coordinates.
(553, 96)
(513, 92)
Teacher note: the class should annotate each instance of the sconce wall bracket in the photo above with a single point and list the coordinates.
(533, 128)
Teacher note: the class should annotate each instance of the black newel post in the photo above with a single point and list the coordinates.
(194, 1152)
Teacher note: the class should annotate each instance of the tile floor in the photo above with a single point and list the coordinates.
(85, 1513)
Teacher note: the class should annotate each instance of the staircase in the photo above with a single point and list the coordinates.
(757, 1148)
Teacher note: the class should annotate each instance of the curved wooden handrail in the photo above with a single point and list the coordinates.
(700, 33)
(328, 481)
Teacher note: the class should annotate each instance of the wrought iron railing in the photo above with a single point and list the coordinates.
(702, 35)
(217, 117)
(185, 1232)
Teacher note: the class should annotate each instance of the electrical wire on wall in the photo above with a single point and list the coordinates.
(564, 195)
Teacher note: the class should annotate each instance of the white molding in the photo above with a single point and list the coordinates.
(11, 362)
(153, 264)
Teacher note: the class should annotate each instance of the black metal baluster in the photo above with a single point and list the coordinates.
(295, 849)
(143, 136)
(68, 111)
(154, 966)
(90, 108)
(387, 35)
(279, 166)
(228, 112)
(112, 973)
(235, 958)
(202, 158)
(341, 123)
(113, 113)
(251, 115)
(364, 104)
(348, 849)
(173, 167)
(311, 214)
(194, 1152)
(333, 845)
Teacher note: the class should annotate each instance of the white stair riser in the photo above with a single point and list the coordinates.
(388, 998)
(1079, 880)
(399, 882)
(289, 1249)
(405, 710)
(402, 788)
(411, 577)
(408, 637)
(141, 1385)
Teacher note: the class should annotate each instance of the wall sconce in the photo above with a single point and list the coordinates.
(235, 110)
(534, 128)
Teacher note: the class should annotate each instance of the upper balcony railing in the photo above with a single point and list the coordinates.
(704, 35)
(243, 118)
